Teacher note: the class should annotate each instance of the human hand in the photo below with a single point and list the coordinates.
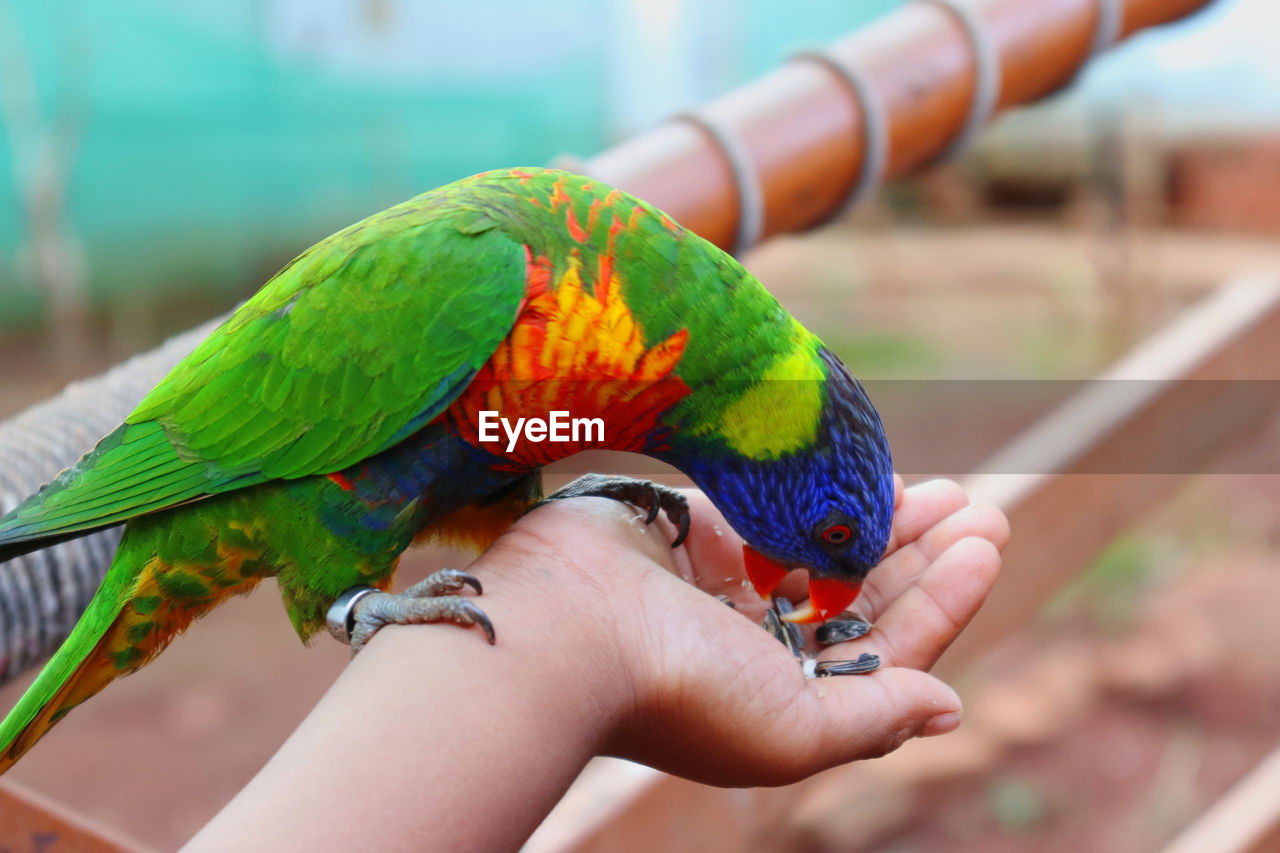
(433, 737)
(704, 692)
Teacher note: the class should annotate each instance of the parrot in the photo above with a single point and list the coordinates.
(348, 409)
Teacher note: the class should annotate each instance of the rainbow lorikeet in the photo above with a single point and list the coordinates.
(352, 405)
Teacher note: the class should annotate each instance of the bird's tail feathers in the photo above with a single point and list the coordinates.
(80, 668)
(131, 472)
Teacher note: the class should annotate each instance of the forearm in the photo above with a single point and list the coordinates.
(433, 739)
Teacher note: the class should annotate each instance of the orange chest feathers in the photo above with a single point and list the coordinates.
(574, 373)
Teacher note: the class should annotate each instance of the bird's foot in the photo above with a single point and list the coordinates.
(842, 629)
(361, 611)
(642, 494)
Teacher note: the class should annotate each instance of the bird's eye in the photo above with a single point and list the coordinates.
(837, 534)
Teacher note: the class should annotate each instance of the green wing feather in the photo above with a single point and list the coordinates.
(306, 377)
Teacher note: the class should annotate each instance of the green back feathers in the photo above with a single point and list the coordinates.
(358, 342)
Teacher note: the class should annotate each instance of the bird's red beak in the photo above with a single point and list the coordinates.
(765, 574)
(827, 597)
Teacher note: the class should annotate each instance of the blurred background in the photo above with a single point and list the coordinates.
(160, 160)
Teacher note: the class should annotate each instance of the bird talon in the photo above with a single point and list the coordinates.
(443, 581)
(362, 611)
(642, 494)
(478, 617)
(654, 507)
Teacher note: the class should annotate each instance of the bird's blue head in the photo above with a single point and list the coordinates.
(825, 505)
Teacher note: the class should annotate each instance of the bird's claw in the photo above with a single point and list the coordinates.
(642, 494)
(443, 581)
(361, 611)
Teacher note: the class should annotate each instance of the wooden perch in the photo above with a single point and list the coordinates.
(30, 822)
(1245, 820)
(1181, 396)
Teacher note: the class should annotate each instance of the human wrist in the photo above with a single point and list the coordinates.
(556, 616)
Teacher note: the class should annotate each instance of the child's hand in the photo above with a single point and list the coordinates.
(706, 692)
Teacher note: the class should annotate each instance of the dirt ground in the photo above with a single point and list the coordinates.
(1156, 679)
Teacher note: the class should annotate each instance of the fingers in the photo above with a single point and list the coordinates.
(744, 714)
(921, 507)
(914, 555)
(765, 725)
(712, 555)
(925, 619)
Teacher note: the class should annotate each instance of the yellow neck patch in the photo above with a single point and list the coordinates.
(779, 414)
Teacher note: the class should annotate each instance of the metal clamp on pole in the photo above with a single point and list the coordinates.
(1106, 32)
(875, 127)
(986, 90)
(745, 179)
(1110, 25)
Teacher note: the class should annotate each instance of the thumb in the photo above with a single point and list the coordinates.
(861, 717)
